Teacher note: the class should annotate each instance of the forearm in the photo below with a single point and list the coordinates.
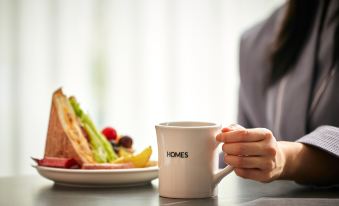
(308, 165)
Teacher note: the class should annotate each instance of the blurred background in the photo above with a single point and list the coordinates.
(130, 63)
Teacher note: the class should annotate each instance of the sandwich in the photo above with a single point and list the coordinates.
(73, 140)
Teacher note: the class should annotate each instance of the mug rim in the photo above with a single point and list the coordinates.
(199, 125)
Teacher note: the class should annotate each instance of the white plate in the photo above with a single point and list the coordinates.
(99, 178)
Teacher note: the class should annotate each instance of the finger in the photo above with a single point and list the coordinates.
(244, 135)
(236, 126)
(249, 162)
(254, 174)
(226, 129)
(219, 137)
(247, 148)
(232, 127)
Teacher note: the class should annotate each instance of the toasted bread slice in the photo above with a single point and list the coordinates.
(65, 137)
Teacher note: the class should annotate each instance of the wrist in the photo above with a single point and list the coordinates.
(290, 152)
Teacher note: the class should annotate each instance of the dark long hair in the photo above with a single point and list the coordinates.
(294, 31)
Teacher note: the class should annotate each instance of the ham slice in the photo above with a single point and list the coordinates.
(58, 162)
(93, 166)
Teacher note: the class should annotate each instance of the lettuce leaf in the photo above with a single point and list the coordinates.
(101, 148)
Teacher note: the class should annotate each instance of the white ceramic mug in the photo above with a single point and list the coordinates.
(188, 164)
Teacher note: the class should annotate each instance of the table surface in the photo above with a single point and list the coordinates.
(35, 190)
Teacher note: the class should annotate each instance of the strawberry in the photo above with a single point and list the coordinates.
(110, 133)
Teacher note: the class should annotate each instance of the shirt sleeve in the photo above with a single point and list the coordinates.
(325, 138)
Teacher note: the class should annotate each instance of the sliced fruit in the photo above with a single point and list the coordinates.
(125, 159)
(124, 153)
(141, 159)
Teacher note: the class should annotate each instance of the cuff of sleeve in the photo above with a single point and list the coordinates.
(325, 138)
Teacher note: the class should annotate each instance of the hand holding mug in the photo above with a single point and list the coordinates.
(254, 153)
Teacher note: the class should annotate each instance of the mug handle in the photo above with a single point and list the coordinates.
(221, 174)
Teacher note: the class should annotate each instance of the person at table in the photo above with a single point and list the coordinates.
(288, 97)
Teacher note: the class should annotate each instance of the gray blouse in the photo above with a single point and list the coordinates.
(298, 107)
